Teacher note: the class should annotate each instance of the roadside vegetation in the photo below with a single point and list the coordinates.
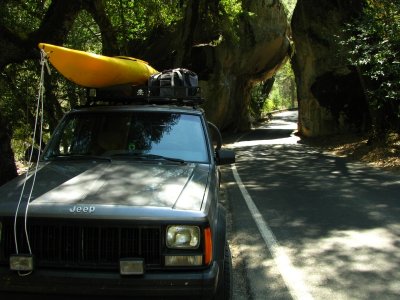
(382, 154)
(373, 45)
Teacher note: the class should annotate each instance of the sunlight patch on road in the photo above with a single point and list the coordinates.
(279, 124)
(360, 248)
(351, 257)
(273, 125)
(282, 141)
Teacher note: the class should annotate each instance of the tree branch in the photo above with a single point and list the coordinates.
(54, 28)
(108, 37)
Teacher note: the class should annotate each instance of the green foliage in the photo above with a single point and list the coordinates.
(17, 92)
(289, 6)
(374, 43)
(18, 102)
(258, 97)
(232, 8)
(23, 17)
(134, 20)
(85, 34)
(280, 95)
(226, 21)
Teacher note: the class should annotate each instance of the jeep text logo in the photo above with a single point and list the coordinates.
(82, 209)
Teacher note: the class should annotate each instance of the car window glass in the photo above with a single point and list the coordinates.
(109, 133)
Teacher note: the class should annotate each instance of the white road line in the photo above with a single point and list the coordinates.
(290, 274)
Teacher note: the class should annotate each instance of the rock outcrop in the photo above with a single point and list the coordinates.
(229, 55)
(261, 47)
(330, 94)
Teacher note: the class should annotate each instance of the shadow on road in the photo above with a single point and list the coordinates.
(340, 221)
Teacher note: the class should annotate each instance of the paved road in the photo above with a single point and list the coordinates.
(307, 225)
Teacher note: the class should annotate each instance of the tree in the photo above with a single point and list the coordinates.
(22, 26)
(374, 42)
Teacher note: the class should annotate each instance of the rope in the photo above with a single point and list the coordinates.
(39, 112)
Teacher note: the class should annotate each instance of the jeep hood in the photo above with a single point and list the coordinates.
(162, 185)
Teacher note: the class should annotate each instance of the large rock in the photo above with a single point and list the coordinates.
(229, 55)
(259, 49)
(330, 95)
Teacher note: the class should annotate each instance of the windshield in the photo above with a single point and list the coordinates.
(130, 134)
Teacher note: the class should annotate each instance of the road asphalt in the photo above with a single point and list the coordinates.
(308, 225)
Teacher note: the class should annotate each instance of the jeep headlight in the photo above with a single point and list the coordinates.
(183, 237)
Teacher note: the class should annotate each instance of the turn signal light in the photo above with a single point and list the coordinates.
(208, 248)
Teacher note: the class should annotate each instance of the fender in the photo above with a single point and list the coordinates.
(219, 235)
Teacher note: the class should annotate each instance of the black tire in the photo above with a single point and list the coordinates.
(224, 289)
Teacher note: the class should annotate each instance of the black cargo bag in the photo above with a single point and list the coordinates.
(177, 83)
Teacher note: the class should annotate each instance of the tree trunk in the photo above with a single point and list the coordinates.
(108, 37)
(7, 163)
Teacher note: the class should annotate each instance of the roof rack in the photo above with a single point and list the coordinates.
(132, 94)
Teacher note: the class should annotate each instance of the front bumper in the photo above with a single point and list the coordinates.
(201, 284)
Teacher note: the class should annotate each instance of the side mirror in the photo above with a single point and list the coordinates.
(225, 157)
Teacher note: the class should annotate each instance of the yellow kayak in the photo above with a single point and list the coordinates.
(96, 71)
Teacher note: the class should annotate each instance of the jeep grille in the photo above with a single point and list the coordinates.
(69, 244)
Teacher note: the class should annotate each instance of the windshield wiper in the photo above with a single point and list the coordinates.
(151, 157)
(77, 157)
(155, 156)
